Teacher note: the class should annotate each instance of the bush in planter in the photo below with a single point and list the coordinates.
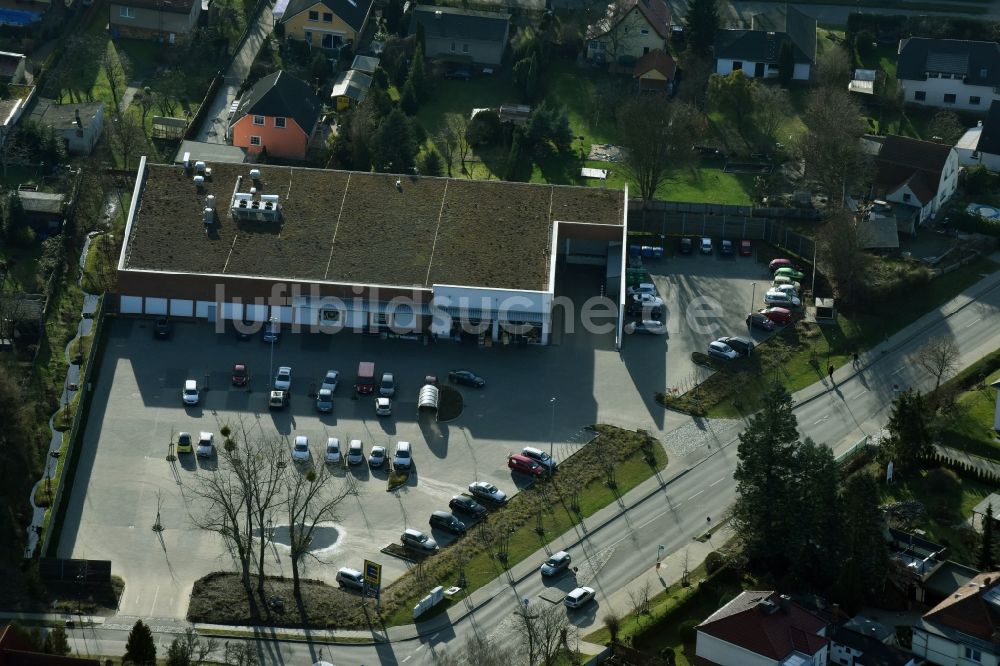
(713, 562)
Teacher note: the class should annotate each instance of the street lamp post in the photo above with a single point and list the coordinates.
(270, 323)
(552, 428)
(753, 297)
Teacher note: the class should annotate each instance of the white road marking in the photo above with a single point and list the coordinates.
(713, 484)
(434, 637)
(896, 372)
(971, 323)
(822, 419)
(696, 494)
(155, 596)
(408, 658)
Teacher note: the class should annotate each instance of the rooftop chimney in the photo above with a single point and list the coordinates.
(79, 122)
(785, 602)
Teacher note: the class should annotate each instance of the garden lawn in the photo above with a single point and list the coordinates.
(970, 427)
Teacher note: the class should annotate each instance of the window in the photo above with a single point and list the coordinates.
(313, 16)
(737, 65)
(949, 98)
(974, 655)
(983, 73)
(255, 141)
(906, 197)
(380, 319)
(258, 120)
(279, 122)
(329, 315)
(465, 48)
(919, 95)
(644, 31)
(974, 100)
(327, 17)
(126, 12)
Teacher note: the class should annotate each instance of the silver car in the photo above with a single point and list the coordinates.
(355, 452)
(283, 380)
(556, 564)
(300, 449)
(330, 381)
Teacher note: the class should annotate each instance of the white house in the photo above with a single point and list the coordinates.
(761, 628)
(921, 174)
(965, 627)
(756, 52)
(980, 145)
(949, 73)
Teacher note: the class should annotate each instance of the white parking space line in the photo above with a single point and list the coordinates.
(407, 659)
(899, 370)
(714, 483)
(821, 419)
(696, 494)
(972, 323)
(858, 395)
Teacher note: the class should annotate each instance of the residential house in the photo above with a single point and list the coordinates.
(921, 174)
(949, 73)
(980, 145)
(655, 71)
(327, 24)
(921, 568)
(965, 627)
(79, 125)
(12, 67)
(279, 113)
(462, 35)
(761, 628)
(756, 52)
(629, 30)
(169, 20)
(861, 641)
(14, 651)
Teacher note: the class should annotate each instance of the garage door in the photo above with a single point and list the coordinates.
(180, 307)
(131, 304)
(156, 306)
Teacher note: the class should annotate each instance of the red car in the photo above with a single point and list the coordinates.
(778, 315)
(782, 263)
(525, 465)
(746, 249)
(240, 374)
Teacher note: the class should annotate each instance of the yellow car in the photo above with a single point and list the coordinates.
(184, 442)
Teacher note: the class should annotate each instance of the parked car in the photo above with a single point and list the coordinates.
(330, 380)
(466, 377)
(162, 328)
(206, 445)
(467, 505)
(706, 246)
(351, 578)
(718, 349)
(324, 401)
(431, 380)
(726, 248)
(539, 456)
(355, 452)
(789, 273)
(417, 540)
(741, 345)
(332, 450)
(487, 491)
(789, 289)
(746, 248)
(525, 465)
(387, 387)
(647, 301)
(184, 442)
(403, 457)
(458, 74)
(780, 280)
(759, 320)
(781, 299)
(685, 246)
(556, 564)
(376, 457)
(283, 380)
(240, 374)
(300, 448)
(579, 597)
(447, 522)
(642, 288)
(646, 326)
(191, 395)
(778, 315)
(383, 406)
(271, 332)
(278, 400)
(780, 262)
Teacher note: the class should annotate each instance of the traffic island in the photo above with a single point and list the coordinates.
(450, 404)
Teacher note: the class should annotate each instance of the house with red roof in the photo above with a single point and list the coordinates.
(920, 174)
(761, 628)
(629, 30)
(965, 627)
(655, 71)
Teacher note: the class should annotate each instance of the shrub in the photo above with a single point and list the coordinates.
(864, 43)
(713, 562)
(942, 480)
(688, 631)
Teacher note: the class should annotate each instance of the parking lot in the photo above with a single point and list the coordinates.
(124, 479)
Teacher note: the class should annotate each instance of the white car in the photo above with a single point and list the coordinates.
(283, 380)
(784, 279)
(376, 458)
(539, 456)
(706, 246)
(355, 452)
(387, 387)
(483, 490)
(775, 297)
(383, 406)
(206, 445)
(191, 395)
(333, 450)
(647, 300)
(403, 458)
(642, 288)
(787, 288)
(581, 596)
(719, 349)
(330, 381)
(646, 326)
(300, 449)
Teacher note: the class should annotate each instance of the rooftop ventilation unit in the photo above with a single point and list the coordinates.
(199, 181)
(187, 162)
(255, 174)
(210, 201)
(208, 216)
(199, 166)
(246, 206)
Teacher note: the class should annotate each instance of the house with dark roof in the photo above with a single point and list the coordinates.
(980, 145)
(965, 627)
(327, 24)
(15, 651)
(279, 113)
(862, 642)
(655, 71)
(462, 35)
(629, 30)
(949, 73)
(762, 628)
(170, 20)
(921, 174)
(79, 125)
(756, 51)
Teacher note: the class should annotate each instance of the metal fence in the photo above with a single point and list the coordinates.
(89, 571)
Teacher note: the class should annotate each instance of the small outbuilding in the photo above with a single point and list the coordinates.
(655, 71)
(351, 87)
(79, 125)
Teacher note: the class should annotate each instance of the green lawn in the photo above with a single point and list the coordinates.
(970, 428)
(22, 267)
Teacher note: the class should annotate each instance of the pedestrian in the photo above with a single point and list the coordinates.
(895, 389)
(854, 359)
(829, 371)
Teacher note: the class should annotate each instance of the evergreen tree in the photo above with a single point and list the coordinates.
(909, 429)
(420, 42)
(417, 77)
(864, 558)
(815, 539)
(702, 24)
(986, 554)
(786, 62)
(516, 156)
(430, 163)
(393, 149)
(764, 513)
(57, 642)
(392, 14)
(408, 100)
(562, 133)
(140, 649)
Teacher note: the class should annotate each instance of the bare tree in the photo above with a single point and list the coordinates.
(543, 627)
(770, 110)
(13, 149)
(447, 144)
(478, 651)
(831, 146)
(127, 135)
(618, 25)
(939, 357)
(12, 310)
(313, 497)
(458, 126)
(116, 68)
(833, 67)
(843, 243)
(241, 653)
(146, 101)
(656, 137)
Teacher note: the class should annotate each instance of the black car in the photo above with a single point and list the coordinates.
(686, 246)
(162, 328)
(726, 248)
(467, 505)
(740, 345)
(458, 74)
(757, 320)
(466, 377)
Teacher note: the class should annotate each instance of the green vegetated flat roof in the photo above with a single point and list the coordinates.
(342, 226)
